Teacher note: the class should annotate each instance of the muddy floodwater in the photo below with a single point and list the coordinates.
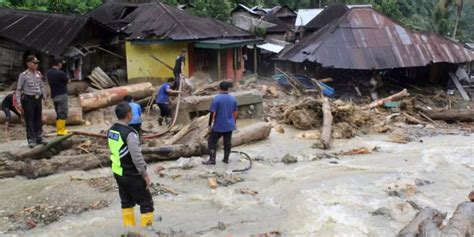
(320, 195)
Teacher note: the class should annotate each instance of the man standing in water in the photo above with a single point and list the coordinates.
(222, 122)
(129, 169)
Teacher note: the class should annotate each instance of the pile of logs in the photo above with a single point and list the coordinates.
(43, 160)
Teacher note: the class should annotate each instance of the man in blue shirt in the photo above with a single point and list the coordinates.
(162, 100)
(222, 121)
(136, 121)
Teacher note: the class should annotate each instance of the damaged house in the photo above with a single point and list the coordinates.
(82, 42)
(363, 40)
(155, 34)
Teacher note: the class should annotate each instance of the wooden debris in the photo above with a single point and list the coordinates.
(74, 116)
(356, 151)
(412, 119)
(395, 97)
(451, 115)
(212, 182)
(326, 133)
(247, 191)
(461, 90)
(38, 152)
(112, 96)
(100, 80)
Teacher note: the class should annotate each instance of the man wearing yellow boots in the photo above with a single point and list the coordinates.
(58, 80)
(129, 168)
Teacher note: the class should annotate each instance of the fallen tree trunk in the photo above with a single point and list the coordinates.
(451, 115)
(37, 168)
(73, 88)
(74, 116)
(428, 222)
(49, 117)
(326, 134)
(38, 152)
(104, 98)
(395, 97)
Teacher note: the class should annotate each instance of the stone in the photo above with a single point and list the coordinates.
(401, 188)
(289, 159)
(383, 211)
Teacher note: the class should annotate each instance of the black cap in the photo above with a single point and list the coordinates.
(32, 59)
(58, 61)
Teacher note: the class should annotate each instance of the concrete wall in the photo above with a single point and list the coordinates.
(141, 65)
(249, 103)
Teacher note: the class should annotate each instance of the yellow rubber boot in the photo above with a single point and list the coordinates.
(61, 127)
(146, 219)
(128, 217)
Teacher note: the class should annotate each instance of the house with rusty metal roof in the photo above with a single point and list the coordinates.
(80, 41)
(156, 33)
(364, 39)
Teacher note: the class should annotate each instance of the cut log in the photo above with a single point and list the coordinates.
(38, 152)
(112, 96)
(395, 97)
(326, 134)
(74, 116)
(73, 88)
(428, 222)
(451, 115)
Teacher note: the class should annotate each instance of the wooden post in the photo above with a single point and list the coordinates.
(255, 59)
(218, 64)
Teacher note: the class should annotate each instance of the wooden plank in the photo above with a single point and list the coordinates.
(461, 90)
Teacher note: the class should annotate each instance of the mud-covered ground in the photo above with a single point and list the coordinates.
(325, 193)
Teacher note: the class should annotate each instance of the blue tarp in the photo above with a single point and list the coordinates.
(306, 82)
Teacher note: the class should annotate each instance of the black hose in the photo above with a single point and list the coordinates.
(246, 157)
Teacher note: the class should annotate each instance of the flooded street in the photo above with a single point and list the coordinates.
(320, 195)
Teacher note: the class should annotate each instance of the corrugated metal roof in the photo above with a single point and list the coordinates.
(329, 14)
(280, 26)
(157, 20)
(46, 32)
(365, 39)
(274, 48)
(306, 15)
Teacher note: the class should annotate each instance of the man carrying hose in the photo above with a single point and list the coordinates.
(222, 122)
(129, 168)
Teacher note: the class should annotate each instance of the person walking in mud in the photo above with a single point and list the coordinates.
(129, 169)
(222, 122)
(29, 95)
(163, 100)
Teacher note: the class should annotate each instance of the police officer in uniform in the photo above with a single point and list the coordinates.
(129, 168)
(29, 93)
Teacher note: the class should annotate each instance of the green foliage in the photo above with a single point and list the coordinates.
(57, 6)
(218, 9)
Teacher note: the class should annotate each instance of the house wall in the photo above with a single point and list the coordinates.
(12, 60)
(232, 74)
(141, 66)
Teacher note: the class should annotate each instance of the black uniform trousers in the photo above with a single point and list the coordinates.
(132, 191)
(33, 111)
